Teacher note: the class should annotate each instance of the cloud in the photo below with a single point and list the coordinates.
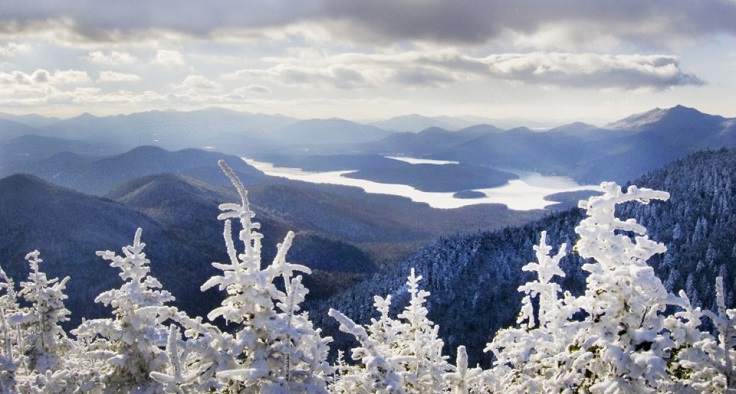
(96, 21)
(11, 49)
(18, 88)
(315, 75)
(445, 67)
(69, 77)
(589, 70)
(422, 77)
(253, 88)
(656, 22)
(199, 83)
(112, 76)
(169, 58)
(562, 69)
(113, 58)
(44, 77)
(635, 22)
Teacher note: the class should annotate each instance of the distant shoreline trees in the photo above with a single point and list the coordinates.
(625, 333)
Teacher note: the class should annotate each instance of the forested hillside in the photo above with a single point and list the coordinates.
(616, 330)
(474, 278)
(697, 224)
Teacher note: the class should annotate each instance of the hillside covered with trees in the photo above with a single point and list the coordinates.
(619, 330)
(482, 271)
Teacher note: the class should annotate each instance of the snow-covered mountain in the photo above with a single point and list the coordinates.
(473, 278)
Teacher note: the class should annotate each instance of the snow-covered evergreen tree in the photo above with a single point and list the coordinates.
(8, 335)
(523, 363)
(725, 322)
(131, 344)
(463, 380)
(175, 379)
(37, 354)
(617, 336)
(45, 342)
(396, 355)
(275, 348)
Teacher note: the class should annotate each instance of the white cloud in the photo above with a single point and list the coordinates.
(199, 83)
(588, 70)
(113, 58)
(440, 68)
(11, 49)
(256, 89)
(44, 77)
(112, 76)
(69, 77)
(332, 76)
(14, 78)
(247, 91)
(169, 58)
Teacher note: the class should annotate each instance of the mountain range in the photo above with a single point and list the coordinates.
(76, 204)
(71, 187)
(584, 152)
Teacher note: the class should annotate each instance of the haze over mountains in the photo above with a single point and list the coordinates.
(638, 143)
(90, 181)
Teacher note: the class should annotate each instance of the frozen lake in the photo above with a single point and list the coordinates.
(523, 194)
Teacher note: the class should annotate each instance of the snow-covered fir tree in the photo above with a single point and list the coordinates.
(276, 348)
(396, 355)
(8, 335)
(617, 336)
(37, 355)
(130, 345)
(725, 322)
(44, 339)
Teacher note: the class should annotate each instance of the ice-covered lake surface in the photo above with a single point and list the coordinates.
(523, 194)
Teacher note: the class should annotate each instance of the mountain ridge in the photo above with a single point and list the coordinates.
(473, 278)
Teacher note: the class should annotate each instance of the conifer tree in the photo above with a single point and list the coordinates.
(725, 322)
(617, 336)
(37, 354)
(8, 336)
(131, 343)
(396, 355)
(276, 348)
(44, 339)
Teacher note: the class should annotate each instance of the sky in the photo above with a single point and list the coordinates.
(590, 60)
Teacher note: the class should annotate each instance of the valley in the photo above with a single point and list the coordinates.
(364, 209)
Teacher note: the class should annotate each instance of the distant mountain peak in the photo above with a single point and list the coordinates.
(30, 188)
(87, 115)
(21, 179)
(639, 121)
(415, 123)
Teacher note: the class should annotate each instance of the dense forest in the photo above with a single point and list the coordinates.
(481, 272)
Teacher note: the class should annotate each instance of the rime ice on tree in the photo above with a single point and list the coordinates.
(616, 337)
(397, 355)
(131, 343)
(276, 348)
(46, 341)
